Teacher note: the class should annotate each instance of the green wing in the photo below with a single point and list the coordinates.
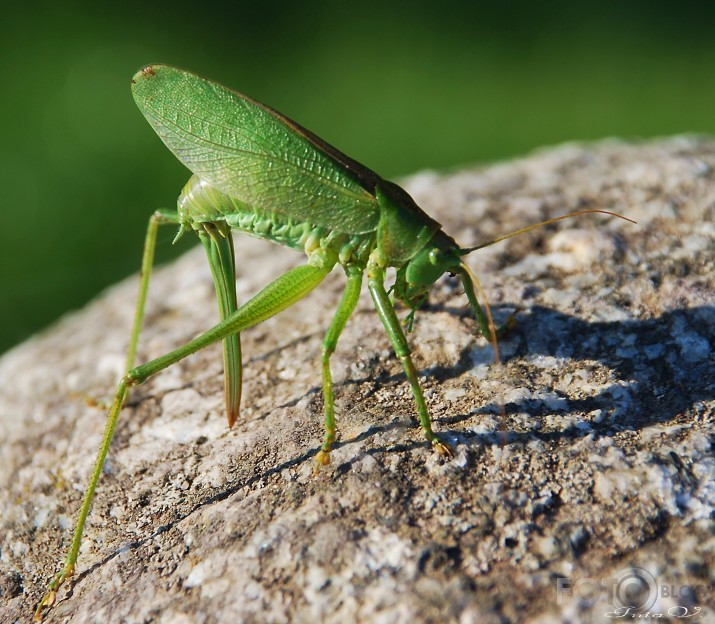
(254, 154)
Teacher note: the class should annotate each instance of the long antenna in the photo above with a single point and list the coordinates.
(464, 252)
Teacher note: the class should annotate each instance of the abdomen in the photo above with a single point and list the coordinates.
(200, 203)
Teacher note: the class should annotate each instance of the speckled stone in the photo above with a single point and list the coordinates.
(582, 461)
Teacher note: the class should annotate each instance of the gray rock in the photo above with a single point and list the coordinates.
(584, 462)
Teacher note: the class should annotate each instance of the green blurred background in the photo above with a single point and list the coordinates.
(398, 86)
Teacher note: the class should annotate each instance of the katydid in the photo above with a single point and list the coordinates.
(258, 172)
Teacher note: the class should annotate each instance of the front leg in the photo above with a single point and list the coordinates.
(376, 284)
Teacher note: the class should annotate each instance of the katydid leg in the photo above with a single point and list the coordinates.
(160, 217)
(280, 294)
(343, 313)
(68, 570)
(218, 244)
(386, 312)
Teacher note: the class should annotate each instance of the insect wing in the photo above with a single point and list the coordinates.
(252, 153)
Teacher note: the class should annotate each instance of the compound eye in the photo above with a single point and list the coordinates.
(434, 256)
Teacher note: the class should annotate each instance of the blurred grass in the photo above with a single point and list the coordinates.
(399, 87)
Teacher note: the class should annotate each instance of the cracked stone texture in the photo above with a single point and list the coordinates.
(587, 456)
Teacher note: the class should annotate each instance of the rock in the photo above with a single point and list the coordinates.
(584, 471)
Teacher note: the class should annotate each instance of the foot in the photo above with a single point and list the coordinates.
(321, 459)
(51, 595)
(442, 448)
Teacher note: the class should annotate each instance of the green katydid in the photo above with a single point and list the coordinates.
(258, 172)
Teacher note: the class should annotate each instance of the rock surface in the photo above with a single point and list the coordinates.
(584, 462)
